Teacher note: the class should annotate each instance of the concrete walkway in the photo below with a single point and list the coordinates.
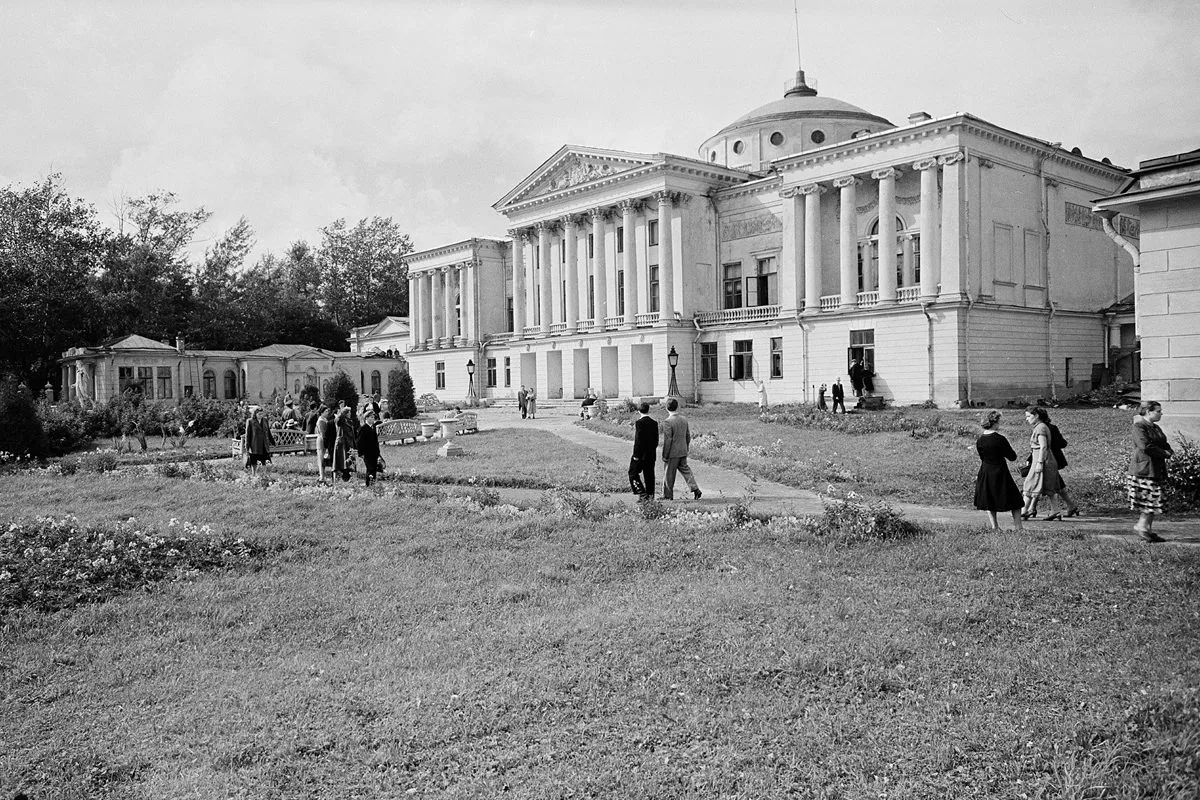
(722, 486)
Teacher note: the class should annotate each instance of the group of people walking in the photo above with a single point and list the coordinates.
(996, 492)
(839, 397)
(676, 440)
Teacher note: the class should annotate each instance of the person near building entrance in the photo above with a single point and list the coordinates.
(522, 396)
(856, 372)
(1148, 468)
(839, 396)
(645, 447)
(677, 437)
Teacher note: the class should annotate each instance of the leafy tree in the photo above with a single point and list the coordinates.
(216, 321)
(50, 246)
(402, 401)
(362, 270)
(21, 432)
(340, 387)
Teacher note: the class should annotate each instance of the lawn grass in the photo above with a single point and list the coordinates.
(933, 465)
(442, 649)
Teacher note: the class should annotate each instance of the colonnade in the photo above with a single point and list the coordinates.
(442, 304)
(547, 256)
(937, 242)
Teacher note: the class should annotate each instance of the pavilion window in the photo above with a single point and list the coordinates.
(163, 387)
(125, 378)
(145, 377)
(231, 385)
(210, 383)
(376, 382)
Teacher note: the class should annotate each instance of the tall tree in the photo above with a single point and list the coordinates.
(216, 319)
(50, 246)
(363, 272)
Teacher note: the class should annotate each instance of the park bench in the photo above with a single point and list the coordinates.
(288, 440)
(429, 402)
(398, 431)
(468, 422)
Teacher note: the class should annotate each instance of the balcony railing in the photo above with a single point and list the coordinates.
(585, 325)
(531, 330)
(558, 328)
(908, 294)
(646, 319)
(734, 315)
(867, 299)
(612, 323)
(831, 302)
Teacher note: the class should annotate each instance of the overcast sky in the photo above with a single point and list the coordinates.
(293, 114)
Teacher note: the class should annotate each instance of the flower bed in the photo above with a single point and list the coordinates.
(50, 564)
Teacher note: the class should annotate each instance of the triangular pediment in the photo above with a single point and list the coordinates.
(135, 342)
(390, 326)
(575, 166)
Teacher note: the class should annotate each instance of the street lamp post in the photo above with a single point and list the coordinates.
(472, 398)
(673, 361)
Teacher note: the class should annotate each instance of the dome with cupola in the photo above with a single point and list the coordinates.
(802, 120)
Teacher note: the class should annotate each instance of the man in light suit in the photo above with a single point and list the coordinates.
(676, 438)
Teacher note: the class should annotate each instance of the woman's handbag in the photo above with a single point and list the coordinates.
(1028, 465)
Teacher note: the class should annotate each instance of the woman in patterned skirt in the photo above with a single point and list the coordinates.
(1148, 468)
(1042, 480)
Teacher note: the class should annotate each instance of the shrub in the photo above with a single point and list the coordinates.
(172, 470)
(849, 522)
(68, 466)
(206, 416)
(100, 461)
(63, 427)
(21, 432)
(340, 387)
(918, 426)
(402, 402)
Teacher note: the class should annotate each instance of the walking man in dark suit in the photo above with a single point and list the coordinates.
(839, 396)
(676, 439)
(645, 446)
(521, 395)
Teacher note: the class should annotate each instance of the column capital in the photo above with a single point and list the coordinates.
(788, 192)
(599, 214)
(951, 158)
(544, 225)
(666, 198)
(813, 188)
(518, 234)
(629, 205)
(568, 220)
(885, 173)
(843, 182)
(924, 164)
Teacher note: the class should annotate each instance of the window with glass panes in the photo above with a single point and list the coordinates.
(708, 361)
(210, 383)
(620, 292)
(741, 360)
(652, 233)
(439, 374)
(620, 239)
(162, 384)
(652, 273)
(491, 373)
(777, 357)
(508, 371)
(762, 286)
(733, 285)
(145, 376)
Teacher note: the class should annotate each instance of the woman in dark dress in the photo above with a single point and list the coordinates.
(1148, 468)
(995, 490)
(367, 445)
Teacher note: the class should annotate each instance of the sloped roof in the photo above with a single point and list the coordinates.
(292, 351)
(134, 342)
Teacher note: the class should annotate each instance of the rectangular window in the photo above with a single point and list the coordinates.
(439, 375)
(653, 287)
(188, 391)
(777, 357)
(508, 371)
(1002, 252)
(591, 245)
(124, 377)
(163, 386)
(708, 361)
(761, 287)
(491, 373)
(512, 320)
(620, 239)
(733, 285)
(620, 293)
(376, 382)
(591, 296)
(562, 301)
(652, 233)
(741, 360)
(862, 347)
(145, 376)
(562, 250)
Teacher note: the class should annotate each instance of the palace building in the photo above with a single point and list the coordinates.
(959, 259)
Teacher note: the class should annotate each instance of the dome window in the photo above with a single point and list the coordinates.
(739, 146)
(817, 137)
(777, 138)
(713, 156)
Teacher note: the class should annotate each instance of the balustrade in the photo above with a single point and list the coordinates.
(734, 315)
(585, 325)
(867, 299)
(558, 328)
(613, 322)
(831, 302)
(646, 319)
(908, 294)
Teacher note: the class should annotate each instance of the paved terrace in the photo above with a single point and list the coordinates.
(722, 486)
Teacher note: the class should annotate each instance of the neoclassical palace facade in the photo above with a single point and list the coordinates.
(958, 259)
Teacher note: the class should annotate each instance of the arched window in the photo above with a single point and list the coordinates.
(868, 274)
(310, 376)
(210, 383)
(231, 391)
(376, 382)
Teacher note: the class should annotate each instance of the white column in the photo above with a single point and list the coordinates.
(666, 257)
(951, 263)
(414, 311)
(887, 234)
(450, 275)
(439, 308)
(848, 240)
(518, 280)
(546, 301)
(629, 262)
(812, 245)
(599, 271)
(791, 266)
(930, 276)
(467, 275)
(906, 255)
(571, 233)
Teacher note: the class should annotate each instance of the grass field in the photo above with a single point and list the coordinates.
(934, 464)
(433, 647)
